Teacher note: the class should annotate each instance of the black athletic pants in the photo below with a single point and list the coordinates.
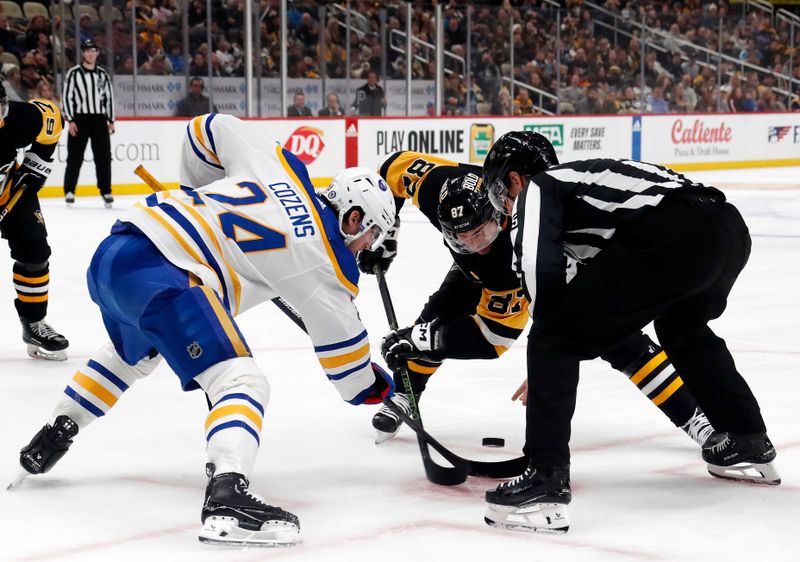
(675, 266)
(92, 127)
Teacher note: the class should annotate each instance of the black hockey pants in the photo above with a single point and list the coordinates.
(676, 266)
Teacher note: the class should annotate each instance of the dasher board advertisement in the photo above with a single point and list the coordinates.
(716, 141)
(466, 139)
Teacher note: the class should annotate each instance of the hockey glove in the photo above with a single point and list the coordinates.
(421, 341)
(383, 255)
(33, 172)
(383, 387)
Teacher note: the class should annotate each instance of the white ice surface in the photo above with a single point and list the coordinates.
(132, 485)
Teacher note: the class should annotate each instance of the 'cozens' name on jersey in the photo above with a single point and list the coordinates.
(295, 209)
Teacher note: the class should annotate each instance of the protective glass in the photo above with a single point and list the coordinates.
(475, 240)
(374, 232)
(500, 197)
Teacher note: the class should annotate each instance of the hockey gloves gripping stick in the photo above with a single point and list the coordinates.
(421, 341)
(443, 475)
(462, 467)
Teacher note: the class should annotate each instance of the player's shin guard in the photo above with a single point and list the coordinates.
(32, 283)
(385, 421)
(655, 376)
(238, 392)
(99, 383)
(232, 515)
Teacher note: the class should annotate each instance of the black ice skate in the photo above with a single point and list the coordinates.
(386, 422)
(108, 199)
(747, 458)
(46, 448)
(43, 341)
(234, 516)
(535, 501)
(699, 428)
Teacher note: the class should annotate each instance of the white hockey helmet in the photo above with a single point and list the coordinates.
(363, 188)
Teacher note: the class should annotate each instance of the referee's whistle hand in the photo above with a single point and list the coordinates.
(73, 129)
(111, 128)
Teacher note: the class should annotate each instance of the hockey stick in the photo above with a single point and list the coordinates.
(491, 469)
(443, 475)
(11, 203)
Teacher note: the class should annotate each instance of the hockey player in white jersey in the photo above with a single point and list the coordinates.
(246, 227)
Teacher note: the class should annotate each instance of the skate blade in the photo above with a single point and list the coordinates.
(382, 436)
(37, 352)
(537, 518)
(753, 473)
(23, 474)
(224, 531)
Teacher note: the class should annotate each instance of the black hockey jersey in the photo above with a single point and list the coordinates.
(36, 124)
(501, 314)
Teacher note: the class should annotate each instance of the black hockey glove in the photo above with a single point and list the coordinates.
(33, 172)
(421, 341)
(384, 255)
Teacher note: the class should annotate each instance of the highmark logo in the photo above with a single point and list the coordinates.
(552, 132)
(306, 143)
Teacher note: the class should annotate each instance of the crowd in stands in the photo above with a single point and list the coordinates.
(604, 66)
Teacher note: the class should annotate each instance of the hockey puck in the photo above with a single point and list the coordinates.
(493, 442)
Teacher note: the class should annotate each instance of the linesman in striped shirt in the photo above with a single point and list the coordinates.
(88, 107)
(649, 245)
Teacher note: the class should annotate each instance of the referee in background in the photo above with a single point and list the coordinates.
(88, 107)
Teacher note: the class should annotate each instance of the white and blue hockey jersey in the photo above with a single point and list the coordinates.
(247, 223)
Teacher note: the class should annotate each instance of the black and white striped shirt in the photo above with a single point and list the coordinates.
(569, 213)
(89, 92)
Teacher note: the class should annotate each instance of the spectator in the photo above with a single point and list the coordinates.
(523, 105)
(44, 91)
(488, 75)
(689, 93)
(199, 66)
(332, 108)
(298, 108)
(656, 102)
(370, 99)
(12, 82)
(29, 78)
(195, 103)
(575, 94)
(502, 104)
(175, 57)
(8, 39)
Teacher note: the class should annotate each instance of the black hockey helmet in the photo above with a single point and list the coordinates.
(525, 152)
(468, 220)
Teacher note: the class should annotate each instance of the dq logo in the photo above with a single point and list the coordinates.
(306, 143)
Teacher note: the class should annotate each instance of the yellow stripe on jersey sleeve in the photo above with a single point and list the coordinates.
(344, 359)
(409, 169)
(197, 126)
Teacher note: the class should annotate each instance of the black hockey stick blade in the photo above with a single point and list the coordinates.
(491, 469)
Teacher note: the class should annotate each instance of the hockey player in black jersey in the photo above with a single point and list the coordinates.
(30, 131)
(480, 309)
(650, 246)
